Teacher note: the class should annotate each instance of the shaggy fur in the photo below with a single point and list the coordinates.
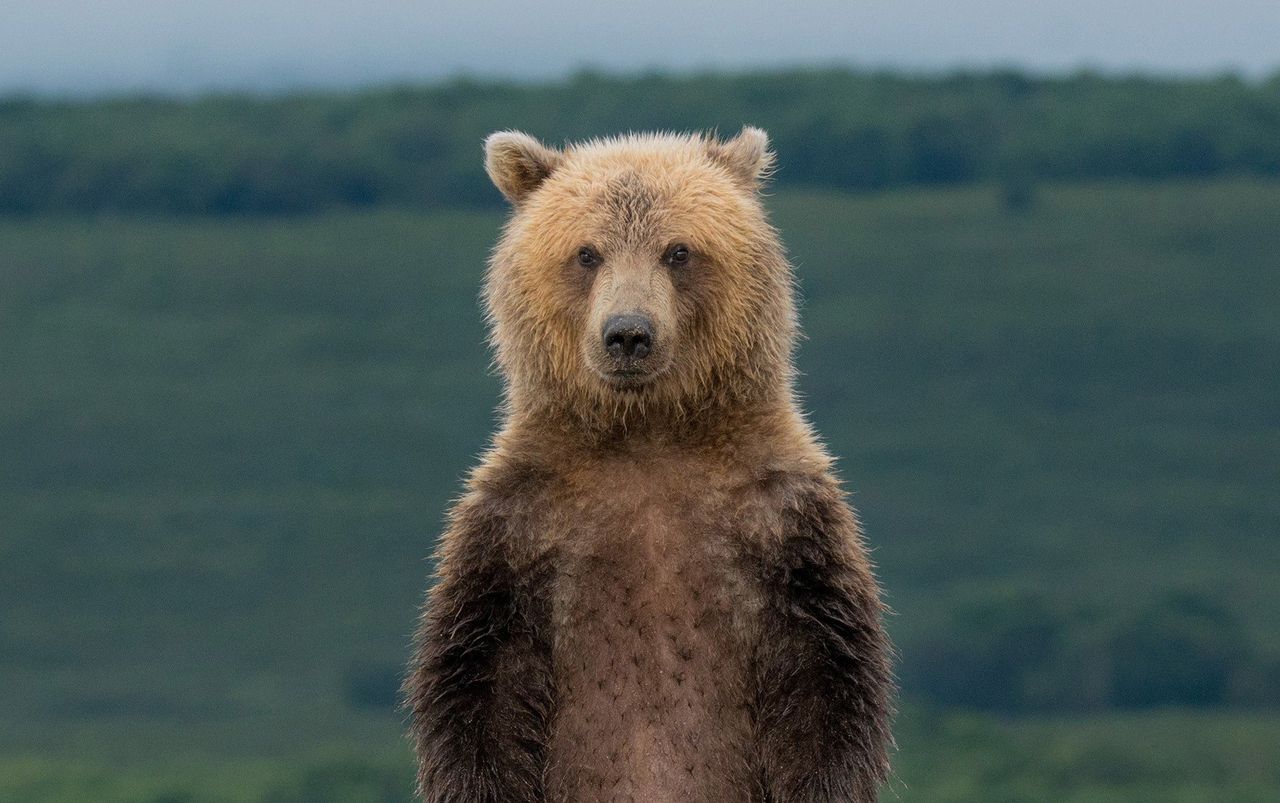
(653, 588)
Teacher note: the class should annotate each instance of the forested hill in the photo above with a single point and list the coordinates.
(420, 146)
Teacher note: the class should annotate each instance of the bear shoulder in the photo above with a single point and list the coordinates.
(810, 522)
(495, 522)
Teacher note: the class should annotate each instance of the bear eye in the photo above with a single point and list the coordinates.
(587, 257)
(677, 255)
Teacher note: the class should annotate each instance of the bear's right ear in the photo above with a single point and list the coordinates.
(517, 163)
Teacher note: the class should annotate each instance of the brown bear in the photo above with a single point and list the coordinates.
(653, 588)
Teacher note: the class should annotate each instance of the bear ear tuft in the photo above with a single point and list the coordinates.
(747, 156)
(517, 163)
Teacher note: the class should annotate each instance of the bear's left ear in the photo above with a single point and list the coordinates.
(747, 156)
(517, 163)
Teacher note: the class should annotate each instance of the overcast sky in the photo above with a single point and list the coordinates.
(74, 46)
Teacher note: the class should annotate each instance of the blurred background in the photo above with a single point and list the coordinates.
(242, 367)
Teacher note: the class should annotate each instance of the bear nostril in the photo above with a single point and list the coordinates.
(628, 337)
(614, 343)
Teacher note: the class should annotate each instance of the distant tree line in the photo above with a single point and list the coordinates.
(420, 146)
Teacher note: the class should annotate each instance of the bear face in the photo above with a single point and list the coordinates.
(638, 274)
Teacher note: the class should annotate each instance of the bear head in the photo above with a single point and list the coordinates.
(638, 279)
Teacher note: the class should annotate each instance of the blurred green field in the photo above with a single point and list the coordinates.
(226, 445)
(1169, 757)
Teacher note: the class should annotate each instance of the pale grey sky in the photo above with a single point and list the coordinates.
(76, 46)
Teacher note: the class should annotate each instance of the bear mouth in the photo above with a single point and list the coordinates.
(628, 377)
(631, 378)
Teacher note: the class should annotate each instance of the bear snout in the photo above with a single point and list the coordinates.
(628, 339)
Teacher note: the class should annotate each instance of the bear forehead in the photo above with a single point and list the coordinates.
(643, 189)
(660, 165)
(630, 206)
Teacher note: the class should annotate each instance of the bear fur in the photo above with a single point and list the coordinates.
(653, 588)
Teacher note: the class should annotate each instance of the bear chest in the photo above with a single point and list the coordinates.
(652, 644)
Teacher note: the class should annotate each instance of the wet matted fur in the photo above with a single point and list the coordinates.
(653, 588)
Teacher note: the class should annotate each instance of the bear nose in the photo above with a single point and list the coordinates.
(628, 337)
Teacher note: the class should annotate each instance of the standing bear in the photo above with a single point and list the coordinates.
(653, 588)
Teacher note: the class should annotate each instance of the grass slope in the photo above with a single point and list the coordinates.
(225, 447)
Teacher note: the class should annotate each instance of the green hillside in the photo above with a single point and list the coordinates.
(226, 445)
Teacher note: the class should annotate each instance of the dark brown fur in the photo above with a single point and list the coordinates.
(657, 594)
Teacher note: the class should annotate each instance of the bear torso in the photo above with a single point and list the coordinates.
(652, 608)
(652, 628)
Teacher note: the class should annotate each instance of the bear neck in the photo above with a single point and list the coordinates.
(751, 418)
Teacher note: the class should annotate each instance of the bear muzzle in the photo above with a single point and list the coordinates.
(630, 345)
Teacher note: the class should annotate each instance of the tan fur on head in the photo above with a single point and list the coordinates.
(725, 321)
